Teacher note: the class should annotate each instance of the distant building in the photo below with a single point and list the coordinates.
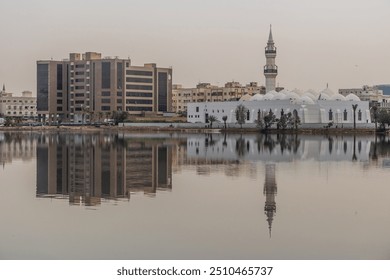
(384, 88)
(374, 95)
(87, 87)
(24, 107)
(205, 92)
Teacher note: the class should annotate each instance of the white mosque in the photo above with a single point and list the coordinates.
(311, 106)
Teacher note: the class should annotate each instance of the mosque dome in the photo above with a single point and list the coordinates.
(292, 95)
(279, 96)
(306, 100)
(246, 97)
(352, 97)
(312, 91)
(310, 95)
(257, 97)
(297, 91)
(269, 96)
(323, 96)
(328, 91)
(337, 97)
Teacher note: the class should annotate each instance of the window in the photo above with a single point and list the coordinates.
(139, 80)
(345, 115)
(197, 109)
(105, 100)
(139, 73)
(330, 115)
(105, 93)
(106, 75)
(139, 94)
(248, 115)
(106, 108)
(139, 101)
(139, 87)
(359, 115)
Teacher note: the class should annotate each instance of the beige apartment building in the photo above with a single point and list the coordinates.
(205, 92)
(369, 93)
(24, 107)
(88, 87)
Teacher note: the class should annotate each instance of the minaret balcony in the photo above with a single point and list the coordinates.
(270, 51)
(270, 69)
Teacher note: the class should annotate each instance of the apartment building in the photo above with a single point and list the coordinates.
(86, 87)
(205, 92)
(373, 94)
(24, 107)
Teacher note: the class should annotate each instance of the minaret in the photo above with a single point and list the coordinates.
(270, 69)
(270, 191)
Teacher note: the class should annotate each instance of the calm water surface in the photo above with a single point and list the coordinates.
(203, 196)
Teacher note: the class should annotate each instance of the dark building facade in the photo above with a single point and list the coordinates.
(87, 87)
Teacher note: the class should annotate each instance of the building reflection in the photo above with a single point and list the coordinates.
(270, 191)
(17, 146)
(86, 168)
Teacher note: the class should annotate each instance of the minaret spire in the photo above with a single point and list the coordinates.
(270, 69)
(270, 39)
(3, 87)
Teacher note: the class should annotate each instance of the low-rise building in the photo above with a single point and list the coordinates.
(205, 92)
(374, 95)
(24, 107)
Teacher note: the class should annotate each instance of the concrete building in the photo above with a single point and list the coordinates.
(374, 95)
(313, 111)
(205, 92)
(87, 87)
(24, 107)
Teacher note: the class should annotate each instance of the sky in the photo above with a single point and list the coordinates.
(343, 43)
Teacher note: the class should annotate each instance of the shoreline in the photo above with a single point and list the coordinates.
(87, 128)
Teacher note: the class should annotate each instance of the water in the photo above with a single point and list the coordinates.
(203, 196)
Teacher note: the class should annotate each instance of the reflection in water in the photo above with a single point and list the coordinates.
(270, 191)
(95, 168)
(89, 167)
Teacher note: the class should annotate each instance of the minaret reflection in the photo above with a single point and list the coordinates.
(270, 191)
(86, 168)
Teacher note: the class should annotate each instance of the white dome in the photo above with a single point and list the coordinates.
(269, 96)
(246, 97)
(352, 97)
(297, 91)
(310, 95)
(279, 96)
(312, 91)
(323, 96)
(257, 97)
(292, 95)
(306, 100)
(328, 91)
(338, 97)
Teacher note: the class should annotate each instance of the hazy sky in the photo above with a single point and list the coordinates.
(344, 43)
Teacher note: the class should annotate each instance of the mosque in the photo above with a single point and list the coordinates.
(310, 106)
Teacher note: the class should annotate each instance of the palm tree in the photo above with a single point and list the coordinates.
(212, 119)
(354, 107)
(224, 118)
(241, 112)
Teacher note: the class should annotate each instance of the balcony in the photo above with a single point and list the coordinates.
(270, 51)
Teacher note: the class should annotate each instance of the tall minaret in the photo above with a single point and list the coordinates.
(270, 69)
(270, 190)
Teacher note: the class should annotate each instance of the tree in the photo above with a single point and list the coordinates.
(284, 120)
(119, 116)
(354, 107)
(241, 112)
(383, 117)
(224, 118)
(375, 115)
(212, 119)
(269, 120)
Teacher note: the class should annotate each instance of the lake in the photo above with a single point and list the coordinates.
(121, 195)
